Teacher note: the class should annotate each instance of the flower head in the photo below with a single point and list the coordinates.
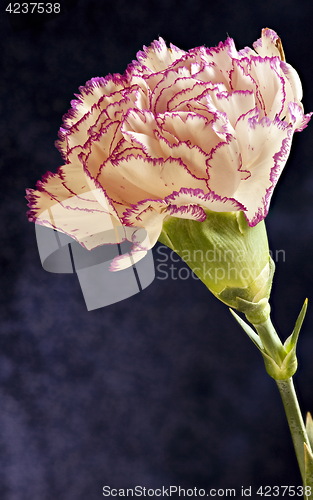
(180, 133)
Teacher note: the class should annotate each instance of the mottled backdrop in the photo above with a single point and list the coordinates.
(162, 388)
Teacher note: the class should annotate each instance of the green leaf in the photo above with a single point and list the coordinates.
(272, 368)
(308, 471)
(249, 331)
(309, 427)
(291, 341)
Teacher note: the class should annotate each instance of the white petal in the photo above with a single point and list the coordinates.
(172, 83)
(190, 127)
(270, 86)
(269, 45)
(219, 60)
(240, 78)
(135, 178)
(138, 129)
(234, 104)
(158, 56)
(265, 146)
(192, 156)
(295, 87)
(197, 197)
(225, 168)
(66, 202)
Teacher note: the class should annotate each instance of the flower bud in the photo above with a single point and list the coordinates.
(231, 258)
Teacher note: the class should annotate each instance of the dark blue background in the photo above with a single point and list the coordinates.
(163, 388)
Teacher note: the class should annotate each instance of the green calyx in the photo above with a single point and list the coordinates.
(280, 359)
(231, 258)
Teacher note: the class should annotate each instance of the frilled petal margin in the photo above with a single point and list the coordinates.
(186, 204)
(77, 207)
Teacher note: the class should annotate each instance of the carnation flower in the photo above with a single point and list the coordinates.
(180, 133)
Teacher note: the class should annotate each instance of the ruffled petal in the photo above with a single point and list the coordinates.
(296, 116)
(168, 135)
(75, 206)
(293, 83)
(138, 128)
(141, 243)
(219, 61)
(265, 147)
(192, 156)
(226, 169)
(135, 178)
(270, 86)
(191, 128)
(234, 104)
(198, 198)
(269, 45)
(158, 56)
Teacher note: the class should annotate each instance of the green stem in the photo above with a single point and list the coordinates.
(281, 364)
(295, 422)
(270, 340)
